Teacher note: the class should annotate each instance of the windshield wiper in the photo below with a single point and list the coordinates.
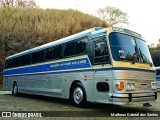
(141, 58)
(135, 58)
(145, 59)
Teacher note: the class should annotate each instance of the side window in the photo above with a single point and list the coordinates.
(8, 64)
(101, 54)
(69, 49)
(38, 56)
(26, 59)
(158, 72)
(80, 46)
(49, 53)
(76, 47)
(57, 52)
(16, 62)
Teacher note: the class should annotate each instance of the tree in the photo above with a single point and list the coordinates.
(18, 3)
(113, 15)
(22, 29)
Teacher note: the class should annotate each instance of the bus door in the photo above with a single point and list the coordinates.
(101, 70)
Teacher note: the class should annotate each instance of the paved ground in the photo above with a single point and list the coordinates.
(5, 92)
(63, 108)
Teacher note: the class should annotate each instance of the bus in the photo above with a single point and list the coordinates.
(101, 65)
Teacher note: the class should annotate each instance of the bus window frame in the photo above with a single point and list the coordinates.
(106, 50)
(76, 40)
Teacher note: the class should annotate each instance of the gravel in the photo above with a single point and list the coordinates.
(62, 107)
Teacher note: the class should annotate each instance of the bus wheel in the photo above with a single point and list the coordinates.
(15, 89)
(78, 96)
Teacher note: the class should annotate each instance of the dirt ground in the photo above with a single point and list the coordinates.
(61, 109)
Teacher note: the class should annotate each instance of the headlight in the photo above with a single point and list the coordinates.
(153, 85)
(133, 86)
(119, 85)
(130, 86)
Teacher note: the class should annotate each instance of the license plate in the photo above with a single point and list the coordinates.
(143, 85)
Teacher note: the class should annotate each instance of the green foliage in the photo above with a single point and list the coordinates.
(1, 87)
(22, 28)
(113, 15)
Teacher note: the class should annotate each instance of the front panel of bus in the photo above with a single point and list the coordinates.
(133, 71)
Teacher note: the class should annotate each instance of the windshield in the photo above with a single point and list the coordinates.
(129, 48)
(143, 50)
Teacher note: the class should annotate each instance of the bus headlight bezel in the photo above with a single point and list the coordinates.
(130, 86)
(153, 85)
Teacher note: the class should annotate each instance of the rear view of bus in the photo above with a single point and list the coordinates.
(133, 71)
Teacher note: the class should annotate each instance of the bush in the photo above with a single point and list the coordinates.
(155, 53)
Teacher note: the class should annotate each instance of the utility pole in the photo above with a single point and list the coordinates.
(76, 4)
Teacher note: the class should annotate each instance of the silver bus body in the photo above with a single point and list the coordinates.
(103, 82)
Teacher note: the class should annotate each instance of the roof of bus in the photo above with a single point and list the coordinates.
(90, 33)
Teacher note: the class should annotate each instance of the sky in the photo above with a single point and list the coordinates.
(144, 16)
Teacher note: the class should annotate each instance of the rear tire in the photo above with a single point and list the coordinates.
(15, 90)
(78, 96)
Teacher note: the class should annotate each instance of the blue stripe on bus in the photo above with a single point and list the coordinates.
(12, 72)
(72, 64)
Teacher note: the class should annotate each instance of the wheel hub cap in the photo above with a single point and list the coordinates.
(78, 95)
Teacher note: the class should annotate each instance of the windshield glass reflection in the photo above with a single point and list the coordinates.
(129, 48)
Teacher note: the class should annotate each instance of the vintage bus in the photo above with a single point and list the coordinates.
(102, 65)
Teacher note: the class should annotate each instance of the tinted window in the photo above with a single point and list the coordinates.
(75, 47)
(69, 50)
(57, 52)
(101, 53)
(8, 64)
(143, 50)
(80, 47)
(26, 59)
(123, 47)
(38, 56)
(16, 62)
(49, 53)
(158, 72)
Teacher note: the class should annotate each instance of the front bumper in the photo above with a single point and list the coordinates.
(123, 98)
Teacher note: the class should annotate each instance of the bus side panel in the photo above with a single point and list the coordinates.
(69, 78)
(7, 83)
(32, 84)
(53, 84)
(104, 77)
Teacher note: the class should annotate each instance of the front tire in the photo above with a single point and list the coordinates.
(15, 90)
(78, 95)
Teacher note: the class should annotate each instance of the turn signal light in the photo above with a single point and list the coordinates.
(121, 85)
(117, 86)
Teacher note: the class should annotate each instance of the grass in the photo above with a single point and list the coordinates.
(1, 87)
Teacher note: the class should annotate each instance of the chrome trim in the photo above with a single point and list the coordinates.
(134, 100)
(133, 75)
(133, 97)
(133, 94)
